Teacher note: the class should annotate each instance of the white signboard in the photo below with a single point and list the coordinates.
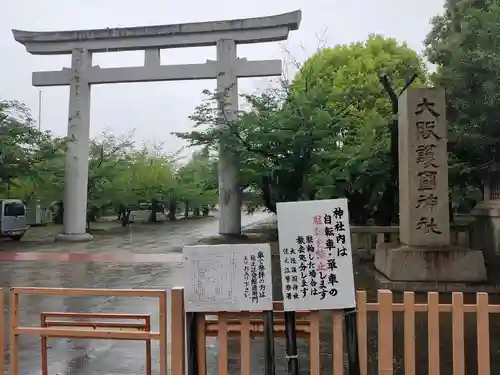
(228, 278)
(315, 255)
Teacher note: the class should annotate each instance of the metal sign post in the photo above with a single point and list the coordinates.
(269, 342)
(291, 343)
(351, 338)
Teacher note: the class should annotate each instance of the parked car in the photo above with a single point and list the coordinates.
(13, 222)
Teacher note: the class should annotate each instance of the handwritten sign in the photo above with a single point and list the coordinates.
(228, 278)
(315, 255)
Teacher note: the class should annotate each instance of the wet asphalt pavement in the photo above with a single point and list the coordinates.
(86, 357)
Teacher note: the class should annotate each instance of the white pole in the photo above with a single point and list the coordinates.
(39, 110)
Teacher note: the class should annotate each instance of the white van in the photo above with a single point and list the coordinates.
(12, 219)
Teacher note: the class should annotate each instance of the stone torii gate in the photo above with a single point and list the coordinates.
(225, 35)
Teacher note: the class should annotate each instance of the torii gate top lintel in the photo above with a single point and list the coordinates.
(197, 34)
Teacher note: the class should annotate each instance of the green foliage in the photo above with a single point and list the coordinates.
(197, 181)
(273, 142)
(108, 158)
(464, 43)
(32, 166)
(150, 177)
(325, 135)
(357, 162)
(29, 159)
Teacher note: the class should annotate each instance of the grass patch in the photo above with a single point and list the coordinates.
(196, 217)
(263, 233)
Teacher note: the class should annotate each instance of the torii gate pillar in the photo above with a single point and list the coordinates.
(77, 155)
(225, 35)
(229, 190)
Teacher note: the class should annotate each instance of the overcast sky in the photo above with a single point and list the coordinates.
(156, 109)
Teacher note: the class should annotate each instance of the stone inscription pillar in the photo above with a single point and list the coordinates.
(227, 88)
(423, 168)
(77, 156)
(424, 253)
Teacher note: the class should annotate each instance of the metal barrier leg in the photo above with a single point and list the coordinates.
(192, 344)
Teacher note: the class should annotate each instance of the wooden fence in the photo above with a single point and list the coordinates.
(244, 326)
(247, 325)
(81, 332)
(95, 322)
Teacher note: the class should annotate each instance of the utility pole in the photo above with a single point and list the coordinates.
(39, 110)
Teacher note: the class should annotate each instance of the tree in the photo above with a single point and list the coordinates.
(275, 140)
(45, 182)
(197, 183)
(30, 160)
(326, 135)
(32, 167)
(151, 179)
(464, 43)
(359, 157)
(109, 158)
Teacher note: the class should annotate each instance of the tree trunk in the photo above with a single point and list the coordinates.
(59, 215)
(154, 211)
(186, 209)
(172, 210)
(92, 214)
(196, 211)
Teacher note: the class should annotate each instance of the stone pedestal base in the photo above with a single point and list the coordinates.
(445, 264)
(486, 228)
(63, 237)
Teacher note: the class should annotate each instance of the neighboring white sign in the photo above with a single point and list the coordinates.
(227, 278)
(315, 255)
